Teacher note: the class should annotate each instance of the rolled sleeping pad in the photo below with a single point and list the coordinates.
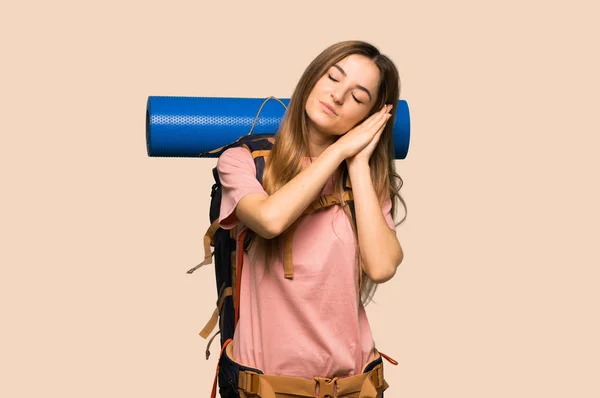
(191, 126)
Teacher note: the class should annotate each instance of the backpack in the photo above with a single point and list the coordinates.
(228, 248)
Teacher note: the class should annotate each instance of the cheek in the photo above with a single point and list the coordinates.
(317, 91)
(314, 95)
(346, 124)
(355, 117)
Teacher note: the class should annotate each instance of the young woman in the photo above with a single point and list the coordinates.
(313, 326)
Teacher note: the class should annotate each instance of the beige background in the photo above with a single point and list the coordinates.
(498, 292)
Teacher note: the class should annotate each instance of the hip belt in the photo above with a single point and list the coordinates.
(251, 382)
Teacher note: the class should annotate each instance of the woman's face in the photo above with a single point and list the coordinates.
(350, 88)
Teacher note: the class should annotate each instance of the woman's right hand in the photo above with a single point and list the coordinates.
(361, 135)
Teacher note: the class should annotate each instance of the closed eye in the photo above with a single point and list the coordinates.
(355, 99)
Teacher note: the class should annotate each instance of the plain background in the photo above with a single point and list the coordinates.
(497, 295)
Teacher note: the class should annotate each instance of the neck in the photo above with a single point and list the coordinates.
(318, 141)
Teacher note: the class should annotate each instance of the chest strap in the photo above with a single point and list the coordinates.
(288, 235)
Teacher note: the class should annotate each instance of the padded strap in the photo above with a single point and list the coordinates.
(263, 153)
(368, 389)
(269, 386)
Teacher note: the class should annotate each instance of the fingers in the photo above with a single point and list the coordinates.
(382, 119)
(386, 109)
(379, 117)
(380, 129)
(377, 114)
(377, 136)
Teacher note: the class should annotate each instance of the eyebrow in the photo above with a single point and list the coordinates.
(358, 86)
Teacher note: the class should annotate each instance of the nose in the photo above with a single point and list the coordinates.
(336, 98)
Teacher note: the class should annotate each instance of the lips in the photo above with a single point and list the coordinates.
(328, 107)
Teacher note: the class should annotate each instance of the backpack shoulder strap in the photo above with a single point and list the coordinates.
(259, 146)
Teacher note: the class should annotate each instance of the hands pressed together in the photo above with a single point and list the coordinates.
(358, 144)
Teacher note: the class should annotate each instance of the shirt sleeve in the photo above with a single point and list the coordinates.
(237, 173)
(386, 209)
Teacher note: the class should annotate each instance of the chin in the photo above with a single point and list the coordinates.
(322, 122)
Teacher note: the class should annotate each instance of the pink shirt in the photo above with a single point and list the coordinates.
(311, 325)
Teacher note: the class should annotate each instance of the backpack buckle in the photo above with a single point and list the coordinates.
(326, 386)
(248, 382)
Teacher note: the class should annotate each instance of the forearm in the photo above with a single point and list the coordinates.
(289, 202)
(380, 250)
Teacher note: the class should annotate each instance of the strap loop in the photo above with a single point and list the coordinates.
(249, 382)
(212, 322)
(208, 241)
(389, 359)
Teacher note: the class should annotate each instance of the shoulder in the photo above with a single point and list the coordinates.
(236, 152)
(235, 158)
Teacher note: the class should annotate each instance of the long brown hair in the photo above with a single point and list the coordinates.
(291, 145)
